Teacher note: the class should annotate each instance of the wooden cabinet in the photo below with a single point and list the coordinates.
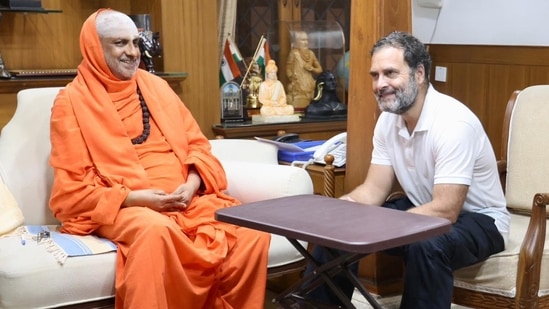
(51, 41)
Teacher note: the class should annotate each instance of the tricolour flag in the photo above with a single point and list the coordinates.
(237, 56)
(263, 56)
(229, 69)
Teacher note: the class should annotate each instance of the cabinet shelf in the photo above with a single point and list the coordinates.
(14, 85)
(316, 130)
(4, 9)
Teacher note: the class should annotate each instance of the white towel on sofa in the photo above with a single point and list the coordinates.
(63, 245)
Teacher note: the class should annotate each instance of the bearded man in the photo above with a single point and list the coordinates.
(437, 150)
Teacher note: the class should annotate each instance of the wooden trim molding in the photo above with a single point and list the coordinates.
(490, 54)
(14, 85)
(483, 77)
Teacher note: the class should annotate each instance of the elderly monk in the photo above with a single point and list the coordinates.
(132, 165)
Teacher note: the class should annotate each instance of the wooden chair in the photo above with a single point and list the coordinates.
(519, 276)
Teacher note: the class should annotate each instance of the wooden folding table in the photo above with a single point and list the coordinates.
(355, 228)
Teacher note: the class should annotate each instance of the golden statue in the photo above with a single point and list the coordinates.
(252, 85)
(302, 67)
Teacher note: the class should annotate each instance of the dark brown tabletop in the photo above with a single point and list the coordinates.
(335, 223)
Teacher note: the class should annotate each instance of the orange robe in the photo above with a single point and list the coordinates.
(181, 259)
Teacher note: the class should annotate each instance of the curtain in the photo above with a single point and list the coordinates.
(226, 22)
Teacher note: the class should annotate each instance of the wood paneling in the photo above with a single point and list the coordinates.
(370, 20)
(192, 31)
(483, 78)
(42, 41)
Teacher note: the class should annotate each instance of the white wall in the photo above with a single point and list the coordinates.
(483, 22)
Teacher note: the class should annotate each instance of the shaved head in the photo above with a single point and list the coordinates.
(111, 23)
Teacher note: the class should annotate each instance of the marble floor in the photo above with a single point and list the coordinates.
(359, 301)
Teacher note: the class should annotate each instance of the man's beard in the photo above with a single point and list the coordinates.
(123, 69)
(404, 99)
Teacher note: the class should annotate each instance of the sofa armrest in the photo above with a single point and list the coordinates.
(250, 182)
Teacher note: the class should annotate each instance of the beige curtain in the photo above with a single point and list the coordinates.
(226, 22)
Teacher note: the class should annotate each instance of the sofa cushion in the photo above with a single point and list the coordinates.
(244, 150)
(248, 181)
(498, 274)
(30, 277)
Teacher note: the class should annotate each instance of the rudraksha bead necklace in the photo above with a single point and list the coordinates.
(146, 126)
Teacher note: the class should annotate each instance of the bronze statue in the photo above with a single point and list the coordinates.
(251, 85)
(4, 73)
(326, 104)
(150, 48)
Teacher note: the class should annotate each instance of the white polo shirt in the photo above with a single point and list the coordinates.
(448, 146)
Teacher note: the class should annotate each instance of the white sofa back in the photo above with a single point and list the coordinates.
(24, 154)
(253, 172)
(25, 150)
(245, 150)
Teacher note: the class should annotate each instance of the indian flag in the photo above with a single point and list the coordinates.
(229, 69)
(237, 56)
(263, 55)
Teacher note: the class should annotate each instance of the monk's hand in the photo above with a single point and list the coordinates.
(186, 192)
(155, 199)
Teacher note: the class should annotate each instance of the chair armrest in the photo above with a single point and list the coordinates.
(531, 250)
(502, 171)
(250, 182)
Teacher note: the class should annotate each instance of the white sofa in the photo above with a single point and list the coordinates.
(30, 277)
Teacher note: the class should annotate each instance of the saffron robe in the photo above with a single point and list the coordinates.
(183, 259)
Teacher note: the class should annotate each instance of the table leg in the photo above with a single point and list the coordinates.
(323, 273)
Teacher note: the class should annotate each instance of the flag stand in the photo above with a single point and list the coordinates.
(259, 45)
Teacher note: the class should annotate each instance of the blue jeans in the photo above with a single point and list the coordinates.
(429, 264)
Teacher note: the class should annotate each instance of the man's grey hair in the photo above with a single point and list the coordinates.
(415, 52)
